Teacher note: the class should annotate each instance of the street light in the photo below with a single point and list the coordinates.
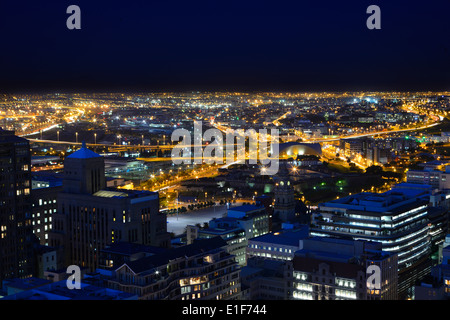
(76, 137)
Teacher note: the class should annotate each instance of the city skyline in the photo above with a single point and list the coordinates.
(238, 152)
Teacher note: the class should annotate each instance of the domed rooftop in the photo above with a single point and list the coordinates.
(293, 149)
(83, 153)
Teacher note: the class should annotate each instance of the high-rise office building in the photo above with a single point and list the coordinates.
(44, 205)
(16, 251)
(398, 219)
(91, 216)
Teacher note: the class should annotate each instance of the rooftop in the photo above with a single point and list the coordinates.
(157, 260)
(25, 284)
(338, 268)
(110, 194)
(386, 201)
(246, 208)
(132, 194)
(60, 291)
(222, 230)
(83, 153)
(290, 238)
(128, 248)
(9, 136)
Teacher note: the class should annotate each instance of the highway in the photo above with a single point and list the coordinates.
(223, 129)
(370, 134)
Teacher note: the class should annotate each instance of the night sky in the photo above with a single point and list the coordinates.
(164, 45)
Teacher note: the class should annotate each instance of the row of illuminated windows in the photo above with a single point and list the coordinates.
(345, 283)
(44, 202)
(387, 218)
(273, 256)
(421, 252)
(204, 294)
(413, 245)
(269, 248)
(25, 191)
(193, 281)
(408, 212)
(260, 218)
(302, 295)
(188, 289)
(43, 185)
(45, 221)
(341, 282)
(303, 286)
(344, 229)
(45, 229)
(358, 216)
(402, 239)
(405, 221)
(345, 293)
(38, 214)
(300, 275)
(361, 224)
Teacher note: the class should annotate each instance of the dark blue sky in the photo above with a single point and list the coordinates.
(149, 45)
